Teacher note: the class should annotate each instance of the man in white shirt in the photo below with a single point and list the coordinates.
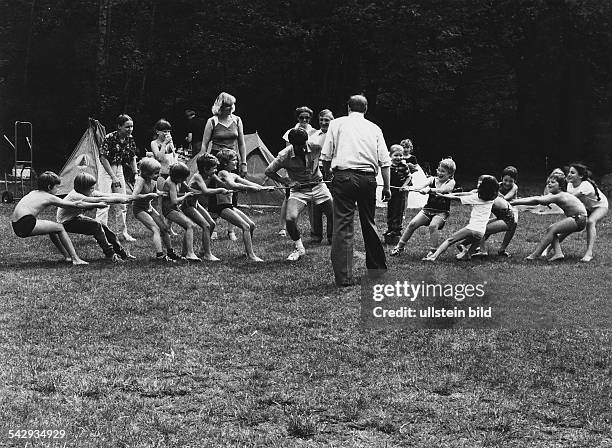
(355, 149)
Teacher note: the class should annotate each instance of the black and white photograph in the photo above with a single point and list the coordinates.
(343, 224)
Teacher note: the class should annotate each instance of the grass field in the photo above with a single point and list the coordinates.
(273, 355)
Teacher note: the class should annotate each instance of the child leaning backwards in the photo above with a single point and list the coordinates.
(575, 212)
(75, 222)
(437, 209)
(25, 224)
(221, 204)
(481, 202)
(207, 167)
(145, 189)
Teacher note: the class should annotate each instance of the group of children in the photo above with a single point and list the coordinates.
(180, 203)
(208, 196)
(575, 193)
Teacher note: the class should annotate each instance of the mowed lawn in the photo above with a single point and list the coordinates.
(273, 355)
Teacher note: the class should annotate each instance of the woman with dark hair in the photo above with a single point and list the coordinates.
(117, 149)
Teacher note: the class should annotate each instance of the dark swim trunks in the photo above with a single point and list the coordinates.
(581, 221)
(24, 226)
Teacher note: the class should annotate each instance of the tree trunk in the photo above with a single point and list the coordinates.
(104, 12)
(28, 51)
(149, 52)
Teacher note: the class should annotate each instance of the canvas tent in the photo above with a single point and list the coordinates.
(85, 158)
(258, 158)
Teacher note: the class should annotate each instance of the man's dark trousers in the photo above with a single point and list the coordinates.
(353, 189)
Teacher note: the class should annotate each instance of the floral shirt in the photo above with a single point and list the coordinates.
(117, 152)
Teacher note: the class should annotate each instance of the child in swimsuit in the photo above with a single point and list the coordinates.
(146, 183)
(24, 220)
(221, 204)
(575, 212)
(435, 213)
(175, 193)
(191, 207)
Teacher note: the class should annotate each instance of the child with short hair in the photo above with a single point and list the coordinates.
(221, 204)
(207, 167)
(75, 222)
(25, 224)
(177, 192)
(481, 202)
(508, 187)
(145, 187)
(437, 209)
(575, 212)
(400, 176)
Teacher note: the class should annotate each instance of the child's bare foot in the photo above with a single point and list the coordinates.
(557, 256)
(210, 257)
(78, 262)
(66, 260)
(255, 258)
(530, 257)
(193, 258)
(587, 258)
(127, 237)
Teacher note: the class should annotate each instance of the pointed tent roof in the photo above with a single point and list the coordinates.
(84, 158)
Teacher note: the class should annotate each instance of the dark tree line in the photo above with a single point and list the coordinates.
(489, 82)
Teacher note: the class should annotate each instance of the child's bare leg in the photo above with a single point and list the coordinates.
(566, 225)
(199, 220)
(44, 227)
(150, 224)
(419, 220)
(186, 224)
(457, 236)
(55, 239)
(556, 249)
(591, 230)
(507, 238)
(233, 217)
(434, 231)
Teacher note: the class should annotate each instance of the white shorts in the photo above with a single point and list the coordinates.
(317, 194)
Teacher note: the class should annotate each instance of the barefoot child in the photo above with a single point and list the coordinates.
(145, 185)
(207, 167)
(580, 185)
(575, 212)
(164, 152)
(436, 210)
(481, 202)
(75, 222)
(24, 220)
(176, 192)
(504, 221)
(221, 204)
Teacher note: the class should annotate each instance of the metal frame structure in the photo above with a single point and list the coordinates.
(22, 160)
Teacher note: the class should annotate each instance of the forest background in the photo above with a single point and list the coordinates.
(522, 82)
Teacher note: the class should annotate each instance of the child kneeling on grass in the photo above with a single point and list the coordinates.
(75, 222)
(481, 202)
(24, 220)
(575, 212)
